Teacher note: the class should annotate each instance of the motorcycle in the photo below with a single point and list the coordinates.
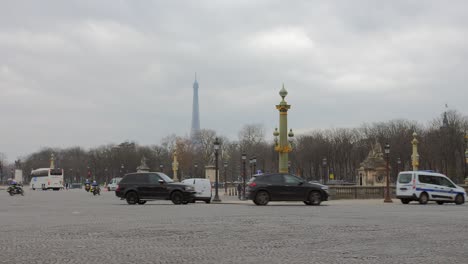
(96, 190)
(12, 190)
(87, 187)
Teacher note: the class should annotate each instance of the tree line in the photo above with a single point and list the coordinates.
(441, 148)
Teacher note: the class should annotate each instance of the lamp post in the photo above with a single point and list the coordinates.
(387, 193)
(398, 166)
(244, 157)
(161, 168)
(282, 146)
(107, 176)
(254, 161)
(415, 155)
(225, 177)
(324, 165)
(196, 168)
(122, 169)
(466, 157)
(216, 148)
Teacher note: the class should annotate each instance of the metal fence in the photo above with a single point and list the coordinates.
(351, 192)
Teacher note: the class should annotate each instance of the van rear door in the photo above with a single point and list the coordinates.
(405, 184)
(203, 188)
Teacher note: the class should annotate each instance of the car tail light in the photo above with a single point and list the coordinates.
(118, 188)
(253, 184)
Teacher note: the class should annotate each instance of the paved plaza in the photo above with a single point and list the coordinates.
(75, 227)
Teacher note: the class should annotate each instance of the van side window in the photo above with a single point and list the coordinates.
(428, 179)
(446, 183)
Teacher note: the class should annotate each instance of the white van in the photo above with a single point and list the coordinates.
(113, 184)
(424, 186)
(202, 187)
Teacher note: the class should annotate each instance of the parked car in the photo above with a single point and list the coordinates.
(424, 186)
(140, 187)
(113, 183)
(202, 189)
(262, 189)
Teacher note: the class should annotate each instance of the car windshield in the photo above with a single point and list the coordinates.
(165, 177)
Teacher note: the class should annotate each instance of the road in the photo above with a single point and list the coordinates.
(75, 227)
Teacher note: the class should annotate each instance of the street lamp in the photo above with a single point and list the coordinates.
(244, 157)
(161, 168)
(225, 177)
(466, 156)
(216, 148)
(254, 161)
(398, 166)
(122, 169)
(387, 193)
(324, 164)
(107, 176)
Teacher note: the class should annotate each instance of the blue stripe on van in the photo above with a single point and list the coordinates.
(433, 190)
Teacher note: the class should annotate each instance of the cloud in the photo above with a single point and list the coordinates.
(111, 71)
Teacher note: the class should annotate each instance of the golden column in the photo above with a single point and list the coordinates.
(52, 161)
(415, 155)
(283, 147)
(175, 165)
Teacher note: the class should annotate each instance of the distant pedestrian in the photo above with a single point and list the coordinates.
(239, 191)
(66, 185)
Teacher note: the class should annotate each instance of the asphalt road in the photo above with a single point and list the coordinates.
(75, 227)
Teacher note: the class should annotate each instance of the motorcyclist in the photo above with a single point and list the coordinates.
(95, 185)
(15, 186)
(87, 185)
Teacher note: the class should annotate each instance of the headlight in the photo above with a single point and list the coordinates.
(190, 188)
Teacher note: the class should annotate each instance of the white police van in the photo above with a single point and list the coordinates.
(424, 186)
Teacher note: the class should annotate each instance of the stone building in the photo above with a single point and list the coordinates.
(373, 169)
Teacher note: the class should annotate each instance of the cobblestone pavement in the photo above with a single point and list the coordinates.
(75, 227)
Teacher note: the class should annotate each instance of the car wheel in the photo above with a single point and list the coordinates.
(108, 189)
(132, 198)
(262, 198)
(177, 197)
(141, 202)
(315, 198)
(423, 198)
(208, 201)
(307, 203)
(459, 199)
(405, 201)
(440, 202)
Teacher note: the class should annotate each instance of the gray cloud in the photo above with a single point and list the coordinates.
(88, 73)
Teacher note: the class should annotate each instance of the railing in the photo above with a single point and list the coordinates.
(351, 192)
(359, 192)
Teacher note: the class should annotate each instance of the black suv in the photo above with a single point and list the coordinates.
(284, 187)
(137, 188)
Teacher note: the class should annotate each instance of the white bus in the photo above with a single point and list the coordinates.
(47, 179)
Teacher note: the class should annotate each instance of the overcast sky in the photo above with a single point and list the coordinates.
(87, 73)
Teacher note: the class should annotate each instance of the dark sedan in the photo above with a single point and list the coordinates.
(137, 188)
(284, 187)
